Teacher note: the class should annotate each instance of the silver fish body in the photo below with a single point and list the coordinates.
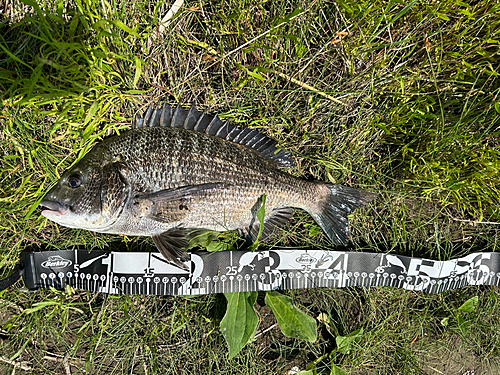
(180, 170)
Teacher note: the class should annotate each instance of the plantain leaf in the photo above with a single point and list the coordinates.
(292, 321)
(337, 370)
(469, 305)
(239, 323)
(345, 343)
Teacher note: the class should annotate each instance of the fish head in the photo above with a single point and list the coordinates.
(90, 195)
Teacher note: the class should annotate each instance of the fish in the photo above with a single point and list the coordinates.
(177, 170)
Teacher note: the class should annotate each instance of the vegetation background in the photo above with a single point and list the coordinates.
(400, 97)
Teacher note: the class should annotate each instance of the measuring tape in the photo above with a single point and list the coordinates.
(243, 271)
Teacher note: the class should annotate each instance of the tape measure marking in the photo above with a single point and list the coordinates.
(238, 271)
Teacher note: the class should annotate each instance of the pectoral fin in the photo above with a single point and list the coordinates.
(173, 205)
(172, 244)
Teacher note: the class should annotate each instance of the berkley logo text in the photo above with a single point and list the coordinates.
(57, 261)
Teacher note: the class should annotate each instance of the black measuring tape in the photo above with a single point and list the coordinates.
(241, 271)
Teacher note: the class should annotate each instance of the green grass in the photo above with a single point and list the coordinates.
(419, 123)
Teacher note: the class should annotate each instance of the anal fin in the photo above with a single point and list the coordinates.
(277, 219)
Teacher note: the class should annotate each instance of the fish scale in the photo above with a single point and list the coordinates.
(180, 170)
(246, 171)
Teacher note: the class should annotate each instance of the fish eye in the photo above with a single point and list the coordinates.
(75, 181)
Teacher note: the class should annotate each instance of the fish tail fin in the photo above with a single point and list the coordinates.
(332, 213)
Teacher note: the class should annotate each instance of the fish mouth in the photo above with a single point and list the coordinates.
(54, 208)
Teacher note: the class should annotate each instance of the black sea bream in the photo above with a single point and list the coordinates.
(177, 170)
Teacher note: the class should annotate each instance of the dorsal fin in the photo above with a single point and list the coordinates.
(192, 119)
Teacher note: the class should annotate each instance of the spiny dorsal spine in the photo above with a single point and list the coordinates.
(192, 119)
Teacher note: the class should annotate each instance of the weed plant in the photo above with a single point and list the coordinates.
(401, 98)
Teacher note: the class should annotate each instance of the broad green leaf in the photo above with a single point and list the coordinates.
(337, 370)
(252, 298)
(239, 323)
(218, 246)
(469, 305)
(292, 321)
(201, 238)
(313, 229)
(261, 212)
(345, 343)
(208, 240)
